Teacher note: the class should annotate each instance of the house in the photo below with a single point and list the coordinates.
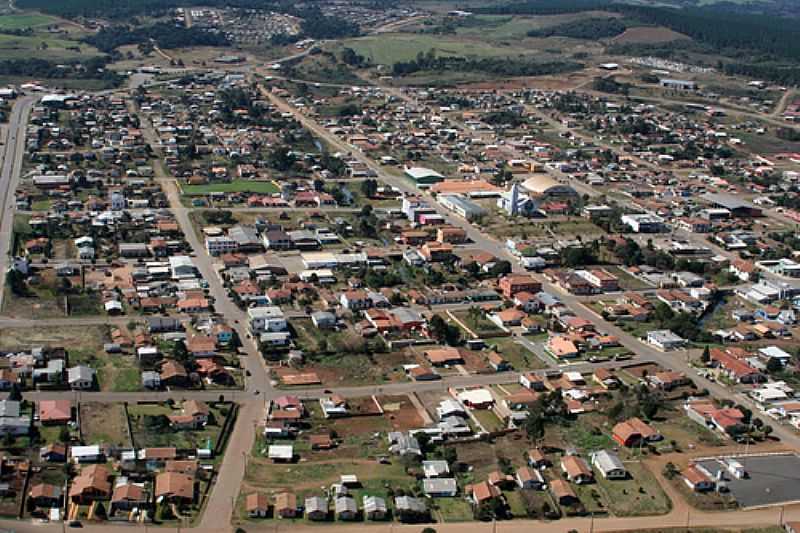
(45, 496)
(668, 380)
(151, 380)
(735, 368)
(706, 413)
(316, 508)
(90, 485)
(561, 347)
(444, 356)
(436, 468)
(576, 469)
(175, 488)
(632, 432)
(537, 459)
(345, 508)
(532, 381)
(286, 505)
(410, 509)
(55, 412)
(173, 374)
(54, 453)
(439, 487)
(323, 319)
(87, 454)
(257, 505)
(563, 492)
(375, 508)
(404, 444)
(605, 378)
(513, 284)
(80, 377)
(529, 478)
(697, 480)
(129, 496)
(281, 453)
(609, 465)
(355, 300)
(665, 340)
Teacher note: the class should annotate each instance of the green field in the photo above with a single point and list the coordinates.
(44, 47)
(260, 187)
(387, 49)
(22, 21)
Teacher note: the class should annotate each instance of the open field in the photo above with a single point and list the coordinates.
(23, 47)
(79, 341)
(151, 430)
(260, 187)
(387, 49)
(22, 21)
(648, 35)
(103, 423)
(639, 495)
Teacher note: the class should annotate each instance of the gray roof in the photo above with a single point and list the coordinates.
(408, 503)
(244, 235)
(9, 408)
(374, 503)
(346, 503)
(607, 461)
(728, 201)
(316, 503)
(439, 485)
(80, 373)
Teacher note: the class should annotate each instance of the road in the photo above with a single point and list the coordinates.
(675, 519)
(219, 507)
(13, 152)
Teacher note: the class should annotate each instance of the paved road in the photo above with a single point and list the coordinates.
(10, 172)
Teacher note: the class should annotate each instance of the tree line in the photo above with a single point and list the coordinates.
(164, 34)
(504, 66)
(590, 28)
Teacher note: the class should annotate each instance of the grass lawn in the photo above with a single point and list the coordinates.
(638, 495)
(453, 509)
(586, 437)
(489, 420)
(516, 504)
(260, 187)
(680, 428)
(479, 325)
(520, 357)
(145, 437)
(591, 497)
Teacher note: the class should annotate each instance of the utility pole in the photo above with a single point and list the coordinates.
(591, 523)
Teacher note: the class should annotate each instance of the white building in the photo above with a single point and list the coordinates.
(266, 319)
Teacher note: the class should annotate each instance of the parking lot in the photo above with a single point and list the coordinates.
(772, 479)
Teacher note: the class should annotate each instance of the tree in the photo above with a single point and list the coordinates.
(774, 365)
(63, 434)
(179, 352)
(369, 188)
(16, 282)
(534, 425)
(15, 394)
(706, 357)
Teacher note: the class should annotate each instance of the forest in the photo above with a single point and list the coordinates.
(591, 28)
(165, 35)
(39, 68)
(497, 66)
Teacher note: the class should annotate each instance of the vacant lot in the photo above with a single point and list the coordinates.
(638, 495)
(151, 429)
(79, 341)
(104, 423)
(259, 187)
